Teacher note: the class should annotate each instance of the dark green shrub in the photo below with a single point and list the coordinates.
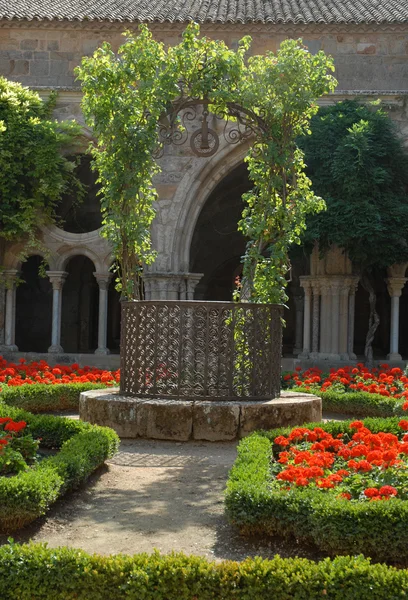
(358, 404)
(361, 404)
(83, 448)
(35, 572)
(377, 529)
(45, 398)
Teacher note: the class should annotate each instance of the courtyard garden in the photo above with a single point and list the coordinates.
(318, 495)
(310, 494)
(309, 511)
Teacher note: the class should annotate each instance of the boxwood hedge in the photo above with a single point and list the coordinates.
(35, 572)
(359, 404)
(337, 526)
(40, 397)
(82, 448)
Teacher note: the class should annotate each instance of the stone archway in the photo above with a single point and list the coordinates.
(192, 195)
(217, 246)
(33, 308)
(79, 318)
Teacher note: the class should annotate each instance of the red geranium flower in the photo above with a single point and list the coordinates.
(16, 427)
(371, 492)
(388, 490)
(356, 425)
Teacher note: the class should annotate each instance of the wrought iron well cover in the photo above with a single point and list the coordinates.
(201, 350)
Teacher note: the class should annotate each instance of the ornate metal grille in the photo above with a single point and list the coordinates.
(201, 350)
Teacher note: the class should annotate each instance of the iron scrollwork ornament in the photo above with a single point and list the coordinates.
(173, 128)
(205, 141)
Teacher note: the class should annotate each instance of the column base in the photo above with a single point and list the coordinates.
(55, 349)
(297, 351)
(328, 356)
(103, 351)
(304, 354)
(394, 356)
(9, 348)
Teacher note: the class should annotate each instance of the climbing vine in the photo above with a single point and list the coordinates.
(34, 169)
(129, 93)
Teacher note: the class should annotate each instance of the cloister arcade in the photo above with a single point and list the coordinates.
(74, 308)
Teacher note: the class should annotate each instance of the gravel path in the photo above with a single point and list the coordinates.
(152, 494)
(156, 494)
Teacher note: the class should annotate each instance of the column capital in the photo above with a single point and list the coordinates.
(353, 283)
(395, 285)
(103, 279)
(325, 287)
(57, 278)
(315, 282)
(335, 287)
(10, 276)
(306, 284)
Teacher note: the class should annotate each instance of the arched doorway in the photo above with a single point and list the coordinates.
(217, 245)
(381, 343)
(217, 248)
(33, 308)
(80, 305)
(81, 216)
(403, 321)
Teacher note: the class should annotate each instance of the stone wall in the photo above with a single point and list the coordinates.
(366, 57)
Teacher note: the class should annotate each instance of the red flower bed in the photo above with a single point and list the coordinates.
(358, 465)
(383, 380)
(17, 449)
(12, 374)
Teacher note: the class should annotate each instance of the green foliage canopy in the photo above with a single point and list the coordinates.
(358, 163)
(34, 173)
(125, 96)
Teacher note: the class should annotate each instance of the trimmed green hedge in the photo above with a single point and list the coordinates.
(82, 449)
(40, 397)
(359, 404)
(35, 572)
(337, 526)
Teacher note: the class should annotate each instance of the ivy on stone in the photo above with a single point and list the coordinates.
(34, 172)
(357, 161)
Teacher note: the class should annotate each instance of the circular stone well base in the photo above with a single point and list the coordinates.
(183, 420)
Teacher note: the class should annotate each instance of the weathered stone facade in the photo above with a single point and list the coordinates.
(371, 62)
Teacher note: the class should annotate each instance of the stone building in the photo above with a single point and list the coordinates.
(75, 310)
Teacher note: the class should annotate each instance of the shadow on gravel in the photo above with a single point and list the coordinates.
(156, 494)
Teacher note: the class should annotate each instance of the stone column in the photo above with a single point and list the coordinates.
(192, 280)
(315, 321)
(306, 285)
(299, 308)
(103, 280)
(2, 308)
(10, 279)
(170, 286)
(57, 279)
(335, 318)
(351, 307)
(343, 319)
(395, 285)
(325, 319)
